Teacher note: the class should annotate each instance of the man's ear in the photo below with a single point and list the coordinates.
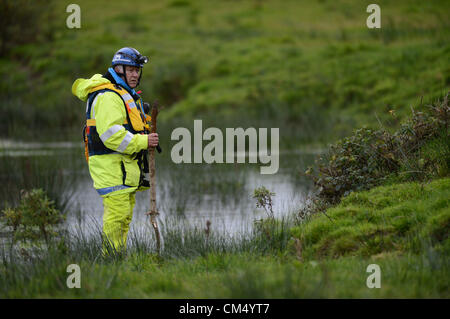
(119, 69)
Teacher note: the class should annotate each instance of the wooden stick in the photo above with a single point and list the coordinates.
(153, 212)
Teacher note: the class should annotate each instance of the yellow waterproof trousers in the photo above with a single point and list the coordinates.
(118, 211)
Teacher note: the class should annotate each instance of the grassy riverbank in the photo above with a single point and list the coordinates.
(292, 64)
(400, 221)
(314, 70)
(403, 228)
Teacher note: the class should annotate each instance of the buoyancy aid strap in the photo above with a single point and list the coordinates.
(147, 120)
(133, 112)
(104, 86)
(94, 143)
(92, 122)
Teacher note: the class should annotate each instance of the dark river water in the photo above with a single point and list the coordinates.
(187, 193)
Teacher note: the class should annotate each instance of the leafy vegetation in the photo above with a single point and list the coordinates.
(310, 68)
(264, 199)
(403, 228)
(418, 150)
(34, 219)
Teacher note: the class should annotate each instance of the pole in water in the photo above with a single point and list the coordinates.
(151, 151)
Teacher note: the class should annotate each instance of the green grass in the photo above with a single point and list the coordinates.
(54, 170)
(400, 218)
(236, 276)
(290, 64)
(403, 228)
(310, 68)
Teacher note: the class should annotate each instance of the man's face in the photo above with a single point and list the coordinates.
(132, 74)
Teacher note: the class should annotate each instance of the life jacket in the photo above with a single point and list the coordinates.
(136, 122)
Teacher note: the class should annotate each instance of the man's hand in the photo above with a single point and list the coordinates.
(153, 140)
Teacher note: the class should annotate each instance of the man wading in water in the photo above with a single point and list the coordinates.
(117, 139)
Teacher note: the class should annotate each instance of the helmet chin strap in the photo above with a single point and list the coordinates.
(123, 74)
(117, 77)
(139, 78)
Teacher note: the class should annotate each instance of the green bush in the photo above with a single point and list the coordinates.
(418, 150)
(264, 200)
(34, 219)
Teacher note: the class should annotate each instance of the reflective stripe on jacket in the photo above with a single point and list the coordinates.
(116, 170)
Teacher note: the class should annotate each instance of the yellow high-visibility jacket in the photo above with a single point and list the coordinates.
(117, 171)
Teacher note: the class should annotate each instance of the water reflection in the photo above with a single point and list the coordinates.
(192, 193)
(220, 193)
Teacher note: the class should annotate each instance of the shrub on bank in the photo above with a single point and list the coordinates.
(418, 150)
(34, 219)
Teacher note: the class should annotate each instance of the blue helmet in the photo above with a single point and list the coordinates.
(129, 56)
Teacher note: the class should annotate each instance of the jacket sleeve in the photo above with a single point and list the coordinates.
(110, 115)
